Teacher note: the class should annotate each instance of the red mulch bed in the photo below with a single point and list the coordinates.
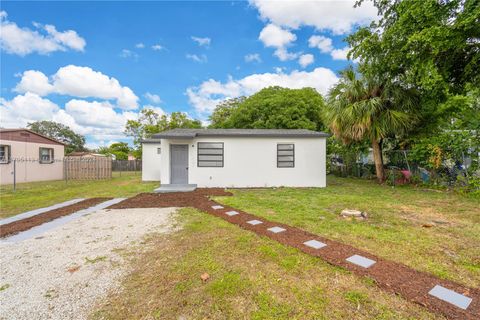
(391, 276)
(27, 223)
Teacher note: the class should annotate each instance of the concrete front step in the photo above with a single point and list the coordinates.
(166, 188)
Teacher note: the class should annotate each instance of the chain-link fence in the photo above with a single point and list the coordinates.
(401, 167)
(16, 171)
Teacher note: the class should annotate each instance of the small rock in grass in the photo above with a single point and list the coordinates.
(427, 225)
(350, 213)
(205, 276)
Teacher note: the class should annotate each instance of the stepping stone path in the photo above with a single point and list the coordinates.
(254, 222)
(231, 213)
(450, 296)
(276, 229)
(217, 207)
(314, 244)
(361, 261)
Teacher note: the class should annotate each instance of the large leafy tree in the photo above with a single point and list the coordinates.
(59, 132)
(363, 107)
(150, 122)
(430, 45)
(272, 108)
(223, 111)
(119, 149)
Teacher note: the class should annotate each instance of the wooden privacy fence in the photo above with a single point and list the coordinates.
(127, 165)
(95, 168)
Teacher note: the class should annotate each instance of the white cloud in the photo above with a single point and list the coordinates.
(80, 82)
(202, 42)
(34, 81)
(153, 98)
(340, 54)
(211, 92)
(24, 109)
(306, 59)
(324, 44)
(197, 58)
(253, 57)
(98, 120)
(44, 39)
(140, 45)
(158, 47)
(129, 54)
(274, 36)
(339, 17)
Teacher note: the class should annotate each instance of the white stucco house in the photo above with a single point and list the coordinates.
(235, 158)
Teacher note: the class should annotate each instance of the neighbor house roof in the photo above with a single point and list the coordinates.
(192, 133)
(22, 134)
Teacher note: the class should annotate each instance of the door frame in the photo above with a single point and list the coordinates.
(170, 156)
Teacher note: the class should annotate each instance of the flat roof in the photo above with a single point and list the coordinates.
(192, 133)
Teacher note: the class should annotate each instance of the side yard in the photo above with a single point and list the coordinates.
(34, 195)
(428, 230)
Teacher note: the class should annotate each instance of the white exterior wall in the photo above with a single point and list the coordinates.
(150, 162)
(31, 169)
(252, 162)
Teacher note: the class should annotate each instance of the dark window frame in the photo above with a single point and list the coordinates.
(9, 153)
(199, 154)
(280, 156)
(52, 160)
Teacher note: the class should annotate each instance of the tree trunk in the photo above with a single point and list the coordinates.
(377, 157)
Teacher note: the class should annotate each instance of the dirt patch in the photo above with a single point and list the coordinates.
(28, 223)
(391, 276)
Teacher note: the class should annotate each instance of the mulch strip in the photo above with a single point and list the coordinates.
(391, 276)
(28, 223)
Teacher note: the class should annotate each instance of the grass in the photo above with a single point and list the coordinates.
(29, 196)
(432, 231)
(251, 277)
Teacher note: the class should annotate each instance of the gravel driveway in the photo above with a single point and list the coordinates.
(61, 274)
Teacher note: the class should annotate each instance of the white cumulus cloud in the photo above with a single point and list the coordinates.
(80, 82)
(339, 17)
(306, 59)
(158, 47)
(208, 94)
(44, 39)
(153, 98)
(275, 37)
(324, 44)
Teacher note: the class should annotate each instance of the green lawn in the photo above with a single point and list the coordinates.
(251, 277)
(397, 227)
(41, 194)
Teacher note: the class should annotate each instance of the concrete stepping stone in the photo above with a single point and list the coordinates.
(361, 261)
(314, 244)
(276, 229)
(217, 207)
(450, 296)
(254, 222)
(231, 213)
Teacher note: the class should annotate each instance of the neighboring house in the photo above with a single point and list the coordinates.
(85, 154)
(36, 157)
(236, 158)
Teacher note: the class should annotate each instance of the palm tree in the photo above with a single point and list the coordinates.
(362, 107)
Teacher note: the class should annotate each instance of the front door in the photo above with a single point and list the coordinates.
(179, 164)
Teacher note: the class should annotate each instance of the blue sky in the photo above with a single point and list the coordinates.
(92, 65)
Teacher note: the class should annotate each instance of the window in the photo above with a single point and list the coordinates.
(210, 154)
(4, 153)
(46, 155)
(159, 150)
(285, 155)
